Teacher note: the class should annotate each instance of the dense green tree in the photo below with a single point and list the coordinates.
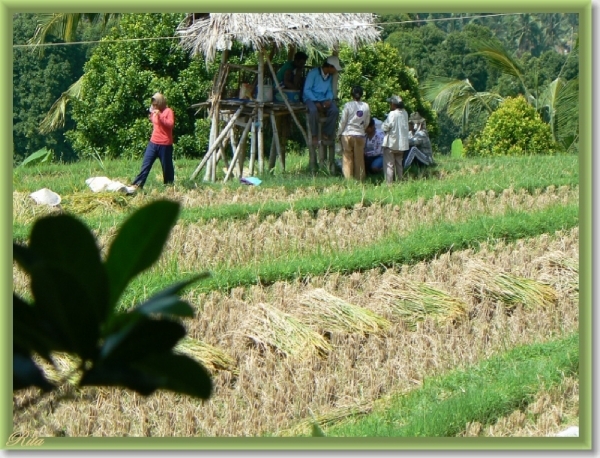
(379, 70)
(417, 47)
(122, 74)
(37, 82)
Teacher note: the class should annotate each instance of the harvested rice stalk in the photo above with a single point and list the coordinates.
(211, 357)
(63, 369)
(565, 267)
(414, 302)
(336, 415)
(272, 327)
(332, 313)
(84, 203)
(510, 289)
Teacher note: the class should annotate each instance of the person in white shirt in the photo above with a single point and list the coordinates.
(395, 141)
(352, 130)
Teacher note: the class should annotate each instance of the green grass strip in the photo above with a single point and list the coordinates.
(523, 173)
(528, 175)
(424, 243)
(494, 388)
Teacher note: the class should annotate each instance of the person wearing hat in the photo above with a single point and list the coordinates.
(318, 97)
(420, 151)
(160, 145)
(395, 140)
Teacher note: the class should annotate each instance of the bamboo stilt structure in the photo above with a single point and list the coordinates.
(217, 141)
(239, 150)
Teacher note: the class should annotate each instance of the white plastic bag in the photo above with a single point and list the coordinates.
(45, 196)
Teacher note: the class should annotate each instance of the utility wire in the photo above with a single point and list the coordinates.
(178, 37)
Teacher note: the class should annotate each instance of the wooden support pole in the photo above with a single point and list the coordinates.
(252, 146)
(232, 141)
(277, 150)
(312, 151)
(217, 141)
(238, 150)
(261, 100)
(287, 104)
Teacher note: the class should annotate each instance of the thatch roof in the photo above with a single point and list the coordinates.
(217, 32)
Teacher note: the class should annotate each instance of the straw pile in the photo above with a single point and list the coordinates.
(414, 301)
(334, 416)
(271, 327)
(87, 202)
(557, 264)
(332, 313)
(211, 357)
(510, 289)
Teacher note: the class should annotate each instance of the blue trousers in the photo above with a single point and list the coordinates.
(374, 162)
(153, 152)
(331, 115)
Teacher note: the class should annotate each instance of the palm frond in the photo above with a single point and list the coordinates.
(441, 91)
(61, 25)
(64, 25)
(55, 118)
(548, 102)
(567, 113)
(462, 108)
(499, 58)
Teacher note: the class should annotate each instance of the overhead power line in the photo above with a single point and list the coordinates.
(412, 21)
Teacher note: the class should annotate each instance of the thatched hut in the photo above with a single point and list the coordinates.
(206, 34)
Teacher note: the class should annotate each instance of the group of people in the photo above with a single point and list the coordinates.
(391, 146)
(368, 145)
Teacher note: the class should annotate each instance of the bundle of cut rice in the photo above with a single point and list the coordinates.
(269, 326)
(211, 357)
(561, 271)
(510, 289)
(336, 415)
(84, 203)
(63, 370)
(414, 301)
(332, 313)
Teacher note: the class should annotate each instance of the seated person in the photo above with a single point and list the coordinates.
(318, 97)
(373, 148)
(420, 146)
(291, 74)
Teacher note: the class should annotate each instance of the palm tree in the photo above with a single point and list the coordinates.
(459, 99)
(558, 103)
(64, 26)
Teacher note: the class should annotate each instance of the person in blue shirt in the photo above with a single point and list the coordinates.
(318, 97)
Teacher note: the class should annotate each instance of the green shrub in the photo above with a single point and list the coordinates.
(514, 129)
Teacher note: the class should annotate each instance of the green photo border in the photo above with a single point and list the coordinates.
(584, 442)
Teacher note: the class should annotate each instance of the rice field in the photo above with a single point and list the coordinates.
(327, 346)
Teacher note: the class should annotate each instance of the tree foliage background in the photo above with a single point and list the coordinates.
(120, 76)
(38, 80)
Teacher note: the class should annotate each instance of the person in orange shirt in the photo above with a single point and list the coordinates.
(160, 145)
